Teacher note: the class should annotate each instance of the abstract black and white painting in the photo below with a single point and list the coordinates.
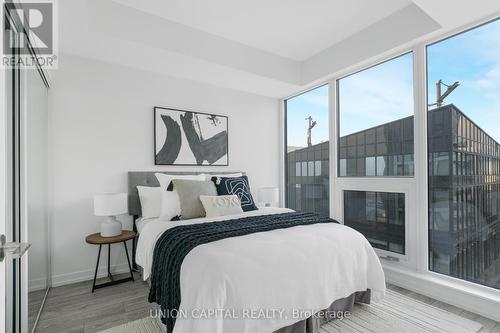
(190, 138)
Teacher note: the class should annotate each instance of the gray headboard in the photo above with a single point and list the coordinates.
(147, 178)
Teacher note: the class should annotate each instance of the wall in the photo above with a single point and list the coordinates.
(101, 127)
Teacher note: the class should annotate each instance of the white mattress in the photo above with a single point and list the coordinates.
(303, 267)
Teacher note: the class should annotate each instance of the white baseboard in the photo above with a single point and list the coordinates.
(86, 275)
(37, 284)
(486, 304)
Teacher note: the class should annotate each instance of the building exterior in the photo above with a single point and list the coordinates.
(464, 198)
(308, 174)
(464, 190)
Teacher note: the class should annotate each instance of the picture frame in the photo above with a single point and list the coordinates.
(190, 138)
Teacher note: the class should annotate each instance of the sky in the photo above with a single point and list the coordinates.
(384, 92)
(315, 104)
(473, 59)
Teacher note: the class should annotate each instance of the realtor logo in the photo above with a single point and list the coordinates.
(29, 36)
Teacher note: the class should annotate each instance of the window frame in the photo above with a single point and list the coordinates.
(472, 287)
(399, 184)
(284, 143)
(415, 268)
(337, 110)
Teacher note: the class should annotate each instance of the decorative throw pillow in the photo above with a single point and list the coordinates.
(221, 205)
(150, 198)
(170, 205)
(189, 192)
(238, 186)
(227, 175)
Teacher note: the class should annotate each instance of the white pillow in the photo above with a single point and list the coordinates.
(170, 204)
(150, 198)
(221, 205)
(228, 175)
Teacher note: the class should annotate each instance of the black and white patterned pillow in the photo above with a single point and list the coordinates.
(238, 186)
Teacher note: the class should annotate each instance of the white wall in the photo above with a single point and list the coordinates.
(101, 127)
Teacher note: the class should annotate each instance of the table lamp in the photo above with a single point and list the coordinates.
(110, 205)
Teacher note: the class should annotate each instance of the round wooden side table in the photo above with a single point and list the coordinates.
(97, 239)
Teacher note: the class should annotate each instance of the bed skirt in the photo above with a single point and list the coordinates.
(313, 324)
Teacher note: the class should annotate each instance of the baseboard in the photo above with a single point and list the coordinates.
(37, 284)
(482, 303)
(86, 275)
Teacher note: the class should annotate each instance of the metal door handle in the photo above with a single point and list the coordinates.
(12, 250)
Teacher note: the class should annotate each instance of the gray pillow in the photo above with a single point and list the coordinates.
(189, 192)
(221, 205)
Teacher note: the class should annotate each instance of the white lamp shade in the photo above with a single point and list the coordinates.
(269, 195)
(110, 204)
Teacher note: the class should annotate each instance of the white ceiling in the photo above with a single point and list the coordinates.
(267, 47)
(296, 29)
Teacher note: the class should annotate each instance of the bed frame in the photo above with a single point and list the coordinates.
(148, 178)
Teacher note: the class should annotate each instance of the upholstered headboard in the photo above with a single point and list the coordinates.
(147, 178)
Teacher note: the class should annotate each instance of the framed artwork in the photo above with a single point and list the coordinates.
(190, 138)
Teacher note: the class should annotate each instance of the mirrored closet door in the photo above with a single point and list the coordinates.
(27, 275)
(34, 190)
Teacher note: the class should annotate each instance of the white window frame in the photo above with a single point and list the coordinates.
(412, 271)
(406, 185)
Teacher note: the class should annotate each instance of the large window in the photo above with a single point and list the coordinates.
(307, 152)
(464, 155)
(375, 139)
(419, 178)
(376, 120)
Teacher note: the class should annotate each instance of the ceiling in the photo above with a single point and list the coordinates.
(267, 47)
(295, 29)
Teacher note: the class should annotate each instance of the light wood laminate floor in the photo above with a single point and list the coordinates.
(73, 308)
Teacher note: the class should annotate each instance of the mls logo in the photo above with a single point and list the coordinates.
(36, 22)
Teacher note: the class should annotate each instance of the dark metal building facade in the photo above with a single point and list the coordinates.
(464, 190)
(464, 198)
(308, 174)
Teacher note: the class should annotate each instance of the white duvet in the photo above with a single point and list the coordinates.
(261, 282)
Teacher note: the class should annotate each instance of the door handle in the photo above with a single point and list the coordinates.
(12, 250)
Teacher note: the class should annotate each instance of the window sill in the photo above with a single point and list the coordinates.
(478, 299)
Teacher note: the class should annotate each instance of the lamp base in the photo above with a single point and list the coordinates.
(111, 227)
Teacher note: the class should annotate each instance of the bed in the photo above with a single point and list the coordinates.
(287, 280)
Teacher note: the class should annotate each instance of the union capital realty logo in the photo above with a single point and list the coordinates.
(29, 34)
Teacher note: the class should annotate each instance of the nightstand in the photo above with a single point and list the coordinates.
(97, 239)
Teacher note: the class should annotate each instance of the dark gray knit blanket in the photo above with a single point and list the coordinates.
(175, 243)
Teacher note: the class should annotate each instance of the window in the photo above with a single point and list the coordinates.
(376, 120)
(379, 188)
(317, 168)
(464, 154)
(375, 139)
(379, 216)
(307, 152)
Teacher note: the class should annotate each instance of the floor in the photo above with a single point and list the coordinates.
(73, 308)
(35, 299)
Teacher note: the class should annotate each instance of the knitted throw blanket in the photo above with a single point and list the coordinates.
(175, 243)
